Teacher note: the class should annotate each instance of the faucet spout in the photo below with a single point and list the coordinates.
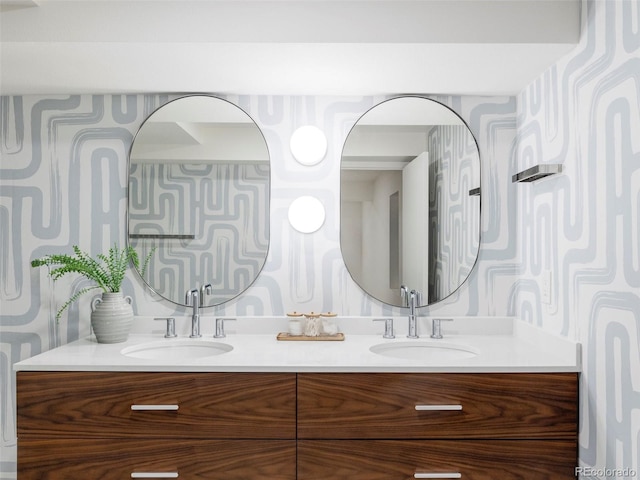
(204, 290)
(192, 299)
(413, 324)
(404, 295)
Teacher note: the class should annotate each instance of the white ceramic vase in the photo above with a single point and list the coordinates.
(111, 317)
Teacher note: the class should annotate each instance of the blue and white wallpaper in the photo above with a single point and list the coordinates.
(221, 211)
(583, 226)
(63, 180)
(453, 213)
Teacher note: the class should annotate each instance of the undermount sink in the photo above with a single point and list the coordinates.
(424, 350)
(176, 349)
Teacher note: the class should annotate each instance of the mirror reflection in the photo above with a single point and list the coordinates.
(410, 205)
(199, 179)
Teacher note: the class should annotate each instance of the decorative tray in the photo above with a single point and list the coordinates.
(284, 336)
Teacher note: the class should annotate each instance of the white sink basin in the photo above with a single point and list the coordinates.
(424, 350)
(176, 349)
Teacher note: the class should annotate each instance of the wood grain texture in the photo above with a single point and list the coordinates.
(400, 459)
(354, 405)
(108, 459)
(243, 425)
(211, 405)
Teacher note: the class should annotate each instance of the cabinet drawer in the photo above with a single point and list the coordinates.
(401, 459)
(152, 405)
(354, 405)
(106, 459)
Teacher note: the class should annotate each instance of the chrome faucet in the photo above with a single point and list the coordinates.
(404, 295)
(220, 327)
(192, 299)
(436, 327)
(204, 290)
(388, 327)
(414, 299)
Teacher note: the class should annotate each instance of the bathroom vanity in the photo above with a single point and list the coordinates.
(305, 410)
(507, 426)
(107, 425)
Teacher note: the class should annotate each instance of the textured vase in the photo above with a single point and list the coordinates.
(111, 317)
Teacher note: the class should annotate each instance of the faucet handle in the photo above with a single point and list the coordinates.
(171, 327)
(220, 327)
(436, 327)
(388, 327)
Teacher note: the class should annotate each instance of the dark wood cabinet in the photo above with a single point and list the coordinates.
(309, 426)
(471, 426)
(402, 459)
(437, 405)
(107, 425)
(154, 404)
(117, 459)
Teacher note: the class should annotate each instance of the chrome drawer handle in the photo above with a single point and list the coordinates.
(438, 408)
(154, 475)
(437, 475)
(154, 407)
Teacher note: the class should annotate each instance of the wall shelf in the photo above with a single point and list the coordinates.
(163, 235)
(536, 173)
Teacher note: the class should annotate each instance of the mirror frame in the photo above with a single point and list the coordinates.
(153, 290)
(479, 194)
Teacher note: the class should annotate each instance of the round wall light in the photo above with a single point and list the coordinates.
(308, 145)
(306, 214)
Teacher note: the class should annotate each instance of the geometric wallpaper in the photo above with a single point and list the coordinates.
(63, 182)
(221, 214)
(454, 214)
(583, 226)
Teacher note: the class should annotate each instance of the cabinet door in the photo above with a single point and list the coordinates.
(117, 459)
(470, 459)
(153, 404)
(394, 405)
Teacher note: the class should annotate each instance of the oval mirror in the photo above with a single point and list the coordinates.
(409, 202)
(199, 180)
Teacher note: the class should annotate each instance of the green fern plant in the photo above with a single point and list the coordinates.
(107, 271)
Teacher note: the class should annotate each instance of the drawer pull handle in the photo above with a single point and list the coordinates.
(437, 475)
(438, 408)
(154, 475)
(154, 407)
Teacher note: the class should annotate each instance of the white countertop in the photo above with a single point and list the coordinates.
(500, 344)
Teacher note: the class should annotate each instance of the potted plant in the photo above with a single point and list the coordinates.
(111, 315)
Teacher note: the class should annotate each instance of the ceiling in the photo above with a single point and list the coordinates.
(282, 47)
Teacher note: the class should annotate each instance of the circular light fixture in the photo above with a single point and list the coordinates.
(306, 214)
(308, 145)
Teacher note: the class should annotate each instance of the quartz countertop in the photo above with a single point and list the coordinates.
(500, 344)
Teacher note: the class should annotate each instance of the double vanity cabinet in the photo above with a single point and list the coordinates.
(296, 425)
(285, 410)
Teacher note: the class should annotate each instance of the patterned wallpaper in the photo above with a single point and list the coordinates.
(223, 208)
(64, 178)
(63, 181)
(453, 213)
(583, 226)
